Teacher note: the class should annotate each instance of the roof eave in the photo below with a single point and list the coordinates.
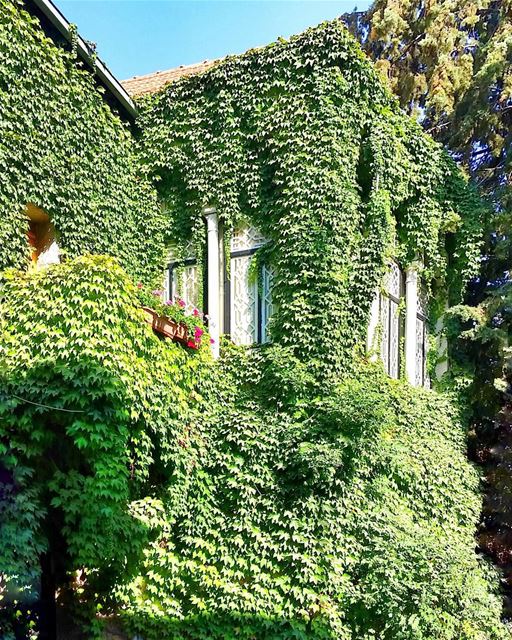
(104, 75)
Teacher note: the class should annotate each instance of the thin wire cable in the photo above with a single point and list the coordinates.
(46, 406)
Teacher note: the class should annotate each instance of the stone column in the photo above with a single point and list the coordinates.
(213, 271)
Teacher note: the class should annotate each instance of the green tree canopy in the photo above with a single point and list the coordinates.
(450, 63)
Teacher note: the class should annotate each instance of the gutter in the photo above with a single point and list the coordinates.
(102, 72)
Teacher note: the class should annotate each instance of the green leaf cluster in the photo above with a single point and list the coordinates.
(302, 140)
(64, 150)
(350, 515)
(93, 406)
(230, 501)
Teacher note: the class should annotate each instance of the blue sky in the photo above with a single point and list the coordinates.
(135, 37)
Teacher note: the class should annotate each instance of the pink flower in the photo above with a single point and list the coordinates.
(169, 302)
(212, 341)
(198, 332)
(181, 303)
(157, 292)
(139, 285)
(195, 313)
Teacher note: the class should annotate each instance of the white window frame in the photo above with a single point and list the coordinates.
(421, 373)
(174, 288)
(391, 321)
(407, 329)
(258, 297)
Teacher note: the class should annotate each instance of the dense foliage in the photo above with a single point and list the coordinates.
(302, 139)
(349, 516)
(290, 491)
(92, 406)
(63, 150)
(480, 337)
(450, 64)
(227, 502)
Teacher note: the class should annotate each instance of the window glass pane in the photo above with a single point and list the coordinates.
(266, 302)
(422, 304)
(249, 308)
(190, 287)
(384, 321)
(182, 278)
(420, 351)
(390, 320)
(394, 340)
(393, 280)
(246, 238)
(244, 303)
(183, 282)
(421, 342)
(167, 286)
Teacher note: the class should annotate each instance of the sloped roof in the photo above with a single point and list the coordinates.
(153, 82)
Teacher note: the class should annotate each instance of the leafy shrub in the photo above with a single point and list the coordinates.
(349, 517)
(93, 408)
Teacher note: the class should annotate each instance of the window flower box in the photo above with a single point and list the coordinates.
(166, 327)
(170, 319)
(150, 315)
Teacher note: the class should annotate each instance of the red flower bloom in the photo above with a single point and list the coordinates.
(139, 285)
(192, 344)
(195, 313)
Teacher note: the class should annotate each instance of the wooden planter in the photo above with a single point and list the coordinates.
(150, 315)
(166, 327)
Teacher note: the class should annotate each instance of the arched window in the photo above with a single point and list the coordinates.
(248, 306)
(41, 237)
(400, 310)
(391, 320)
(421, 342)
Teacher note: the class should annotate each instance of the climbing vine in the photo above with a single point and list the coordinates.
(320, 518)
(288, 491)
(63, 150)
(195, 500)
(302, 139)
(93, 407)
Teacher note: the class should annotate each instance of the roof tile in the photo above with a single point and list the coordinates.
(153, 82)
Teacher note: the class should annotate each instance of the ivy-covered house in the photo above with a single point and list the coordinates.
(68, 178)
(306, 129)
(300, 485)
(225, 170)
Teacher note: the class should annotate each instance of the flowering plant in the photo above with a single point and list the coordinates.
(175, 310)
